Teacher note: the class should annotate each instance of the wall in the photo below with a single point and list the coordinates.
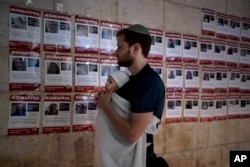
(182, 144)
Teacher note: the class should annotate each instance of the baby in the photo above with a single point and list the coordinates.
(116, 80)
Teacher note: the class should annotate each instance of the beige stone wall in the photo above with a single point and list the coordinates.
(181, 144)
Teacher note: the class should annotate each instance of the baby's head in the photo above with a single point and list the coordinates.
(116, 80)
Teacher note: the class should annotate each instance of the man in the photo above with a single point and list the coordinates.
(145, 90)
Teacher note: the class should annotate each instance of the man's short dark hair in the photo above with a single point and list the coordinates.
(133, 37)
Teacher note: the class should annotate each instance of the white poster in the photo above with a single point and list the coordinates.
(56, 114)
(174, 79)
(191, 78)
(24, 70)
(24, 29)
(173, 47)
(221, 79)
(220, 111)
(58, 73)
(156, 51)
(234, 28)
(191, 108)
(220, 54)
(244, 58)
(244, 80)
(232, 54)
(57, 32)
(86, 35)
(208, 79)
(245, 29)
(86, 74)
(208, 22)
(233, 106)
(190, 49)
(156, 66)
(173, 108)
(24, 115)
(222, 25)
(206, 108)
(108, 32)
(85, 111)
(244, 106)
(234, 80)
(206, 52)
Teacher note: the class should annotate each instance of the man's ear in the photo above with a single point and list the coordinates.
(135, 48)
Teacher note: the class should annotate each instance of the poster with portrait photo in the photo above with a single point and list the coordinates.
(245, 29)
(57, 32)
(206, 108)
(191, 78)
(86, 35)
(234, 28)
(56, 114)
(232, 54)
(174, 79)
(244, 58)
(244, 106)
(207, 79)
(156, 66)
(191, 108)
(221, 79)
(24, 114)
(24, 70)
(220, 52)
(234, 80)
(206, 51)
(108, 32)
(86, 74)
(106, 67)
(173, 108)
(233, 106)
(173, 47)
(24, 29)
(190, 48)
(85, 111)
(220, 110)
(58, 73)
(156, 51)
(208, 22)
(222, 25)
(244, 80)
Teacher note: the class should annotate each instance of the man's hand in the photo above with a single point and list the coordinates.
(103, 100)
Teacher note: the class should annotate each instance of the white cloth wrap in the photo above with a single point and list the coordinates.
(111, 150)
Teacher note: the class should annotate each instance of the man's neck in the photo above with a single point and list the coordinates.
(137, 66)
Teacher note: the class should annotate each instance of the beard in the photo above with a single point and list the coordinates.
(127, 62)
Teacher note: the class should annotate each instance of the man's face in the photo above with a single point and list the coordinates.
(123, 52)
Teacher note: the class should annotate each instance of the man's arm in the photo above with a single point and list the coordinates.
(130, 129)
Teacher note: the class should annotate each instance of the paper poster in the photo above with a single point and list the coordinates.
(220, 54)
(221, 79)
(156, 51)
(222, 26)
(174, 82)
(220, 111)
(24, 29)
(234, 28)
(190, 50)
(156, 66)
(206, 53)
(86, 35)
(206, 108)
(57, 32)
(24, 70)
(85, 111)
(24, 115)
(107, 65)
(56, 113)
(234, 80)
(191, 78)
(245, 29)
(58, 73)
(244, 106)
(245, 80)
(208, 22)
(233, 106)
(232, 54)
(208, 79)
(191, 108)
(244, 58)
(86, 74)
(108, 43)
(173, 108)
(173, 47)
